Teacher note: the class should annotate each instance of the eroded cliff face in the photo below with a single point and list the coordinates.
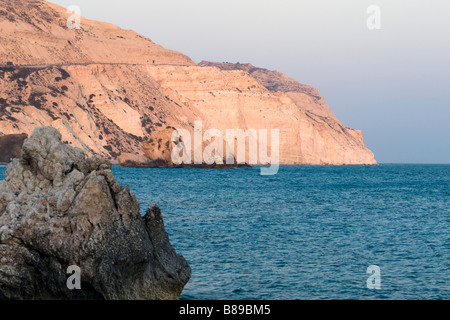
(59, 208)
(36, 32)
(105, 110)
(100, 88)
(229, 99)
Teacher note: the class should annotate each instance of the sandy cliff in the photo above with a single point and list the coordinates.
(105, 110)
(100, 88)
(234, 98)
(36, 32)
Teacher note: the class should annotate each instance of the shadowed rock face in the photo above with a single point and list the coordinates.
(11, 146)
(59, 208)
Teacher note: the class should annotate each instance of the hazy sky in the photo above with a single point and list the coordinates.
(392, 83)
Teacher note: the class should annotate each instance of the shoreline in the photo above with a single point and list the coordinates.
(160, 165)
(232, 166)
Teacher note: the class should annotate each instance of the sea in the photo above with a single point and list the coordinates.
(308, 232)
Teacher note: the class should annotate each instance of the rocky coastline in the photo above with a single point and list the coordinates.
(61, 210)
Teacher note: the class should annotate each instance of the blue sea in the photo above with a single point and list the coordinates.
(309, 232)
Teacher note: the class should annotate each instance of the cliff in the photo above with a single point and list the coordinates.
(60, 209)
(35, 32)
(229, 99)
(115, 94)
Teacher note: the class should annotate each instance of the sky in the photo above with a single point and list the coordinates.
(392, 82)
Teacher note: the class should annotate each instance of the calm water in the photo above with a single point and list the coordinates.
(306, 233)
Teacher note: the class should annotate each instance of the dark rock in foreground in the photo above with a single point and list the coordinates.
(59, 209)
(164, 164)
(11, 146)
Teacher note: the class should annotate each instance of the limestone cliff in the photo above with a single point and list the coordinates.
(105, 110)
(116, 94)
(228, 99)
(35, 32)
(60, 209)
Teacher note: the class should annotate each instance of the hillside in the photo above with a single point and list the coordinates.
(116, 94)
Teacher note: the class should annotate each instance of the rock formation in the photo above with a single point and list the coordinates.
(114, 93)
(231, 99)
(272, 80)
(58, 209)
(11, 146)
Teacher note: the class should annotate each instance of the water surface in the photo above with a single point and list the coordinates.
(306, 233)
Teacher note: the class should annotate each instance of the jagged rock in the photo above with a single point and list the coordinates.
(59, 208)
